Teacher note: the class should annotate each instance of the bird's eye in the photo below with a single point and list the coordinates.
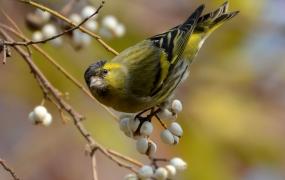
(105, 71)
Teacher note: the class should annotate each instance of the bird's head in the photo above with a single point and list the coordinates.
(103, 78)
(95, 77)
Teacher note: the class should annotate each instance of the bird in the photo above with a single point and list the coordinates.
(147, 74)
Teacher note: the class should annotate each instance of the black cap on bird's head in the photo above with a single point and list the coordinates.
(95, 72)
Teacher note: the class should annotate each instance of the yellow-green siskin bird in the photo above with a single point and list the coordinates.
(145, 75)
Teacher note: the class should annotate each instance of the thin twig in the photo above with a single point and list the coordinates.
(4, 50)
(125, 158)
(8, 169)
(68, 7)
(60, 68)
(77, 117)
(30, 42)
(94, 167)
(60, 16)
(161, 122)
(14, 24)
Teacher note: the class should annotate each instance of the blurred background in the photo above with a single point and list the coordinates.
(234, 99)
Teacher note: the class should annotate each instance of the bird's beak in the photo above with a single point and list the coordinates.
(96, 82)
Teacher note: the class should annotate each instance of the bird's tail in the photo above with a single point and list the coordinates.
(206, 24)
(211, 21)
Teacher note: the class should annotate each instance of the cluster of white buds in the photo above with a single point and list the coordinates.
(174, 132)
(140, 130)
(40, 115)
(169, 171)
(46, 27)
(111, 27)
(46, 30)
(170, 111)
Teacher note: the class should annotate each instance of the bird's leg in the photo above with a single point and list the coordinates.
(143, 119)
(139, 114)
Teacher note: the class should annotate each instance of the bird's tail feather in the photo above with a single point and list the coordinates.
(209, 22)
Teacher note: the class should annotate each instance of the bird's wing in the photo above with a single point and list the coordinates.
(150, 61)
(144, 64)
(173, 44)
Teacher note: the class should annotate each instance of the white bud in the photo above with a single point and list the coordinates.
(152, 147)
(87, 11)
(81, 39)
(57, 41)
(86, 39)
(120, 30)
(44, 15)
(161, 174)
(75, 18)
(133, 124)
(37, 36)
(178, 163)
(124, 124)
(176, 139)
(39, 113)
(49, 30)
(110, 22)
(91, 25)
(142, 145)
(146, 128)
(167, 137)
(171, 171)
(176, 106)
(176, 129)
(145, 172)
(105, 32)
(165, 114)
(47, 120)
(32, 117)
(131, 177)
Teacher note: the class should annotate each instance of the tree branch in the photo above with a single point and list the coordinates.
(59, 67)
(8, 169)
(60, 16)
(30, 42)
(77, 117)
